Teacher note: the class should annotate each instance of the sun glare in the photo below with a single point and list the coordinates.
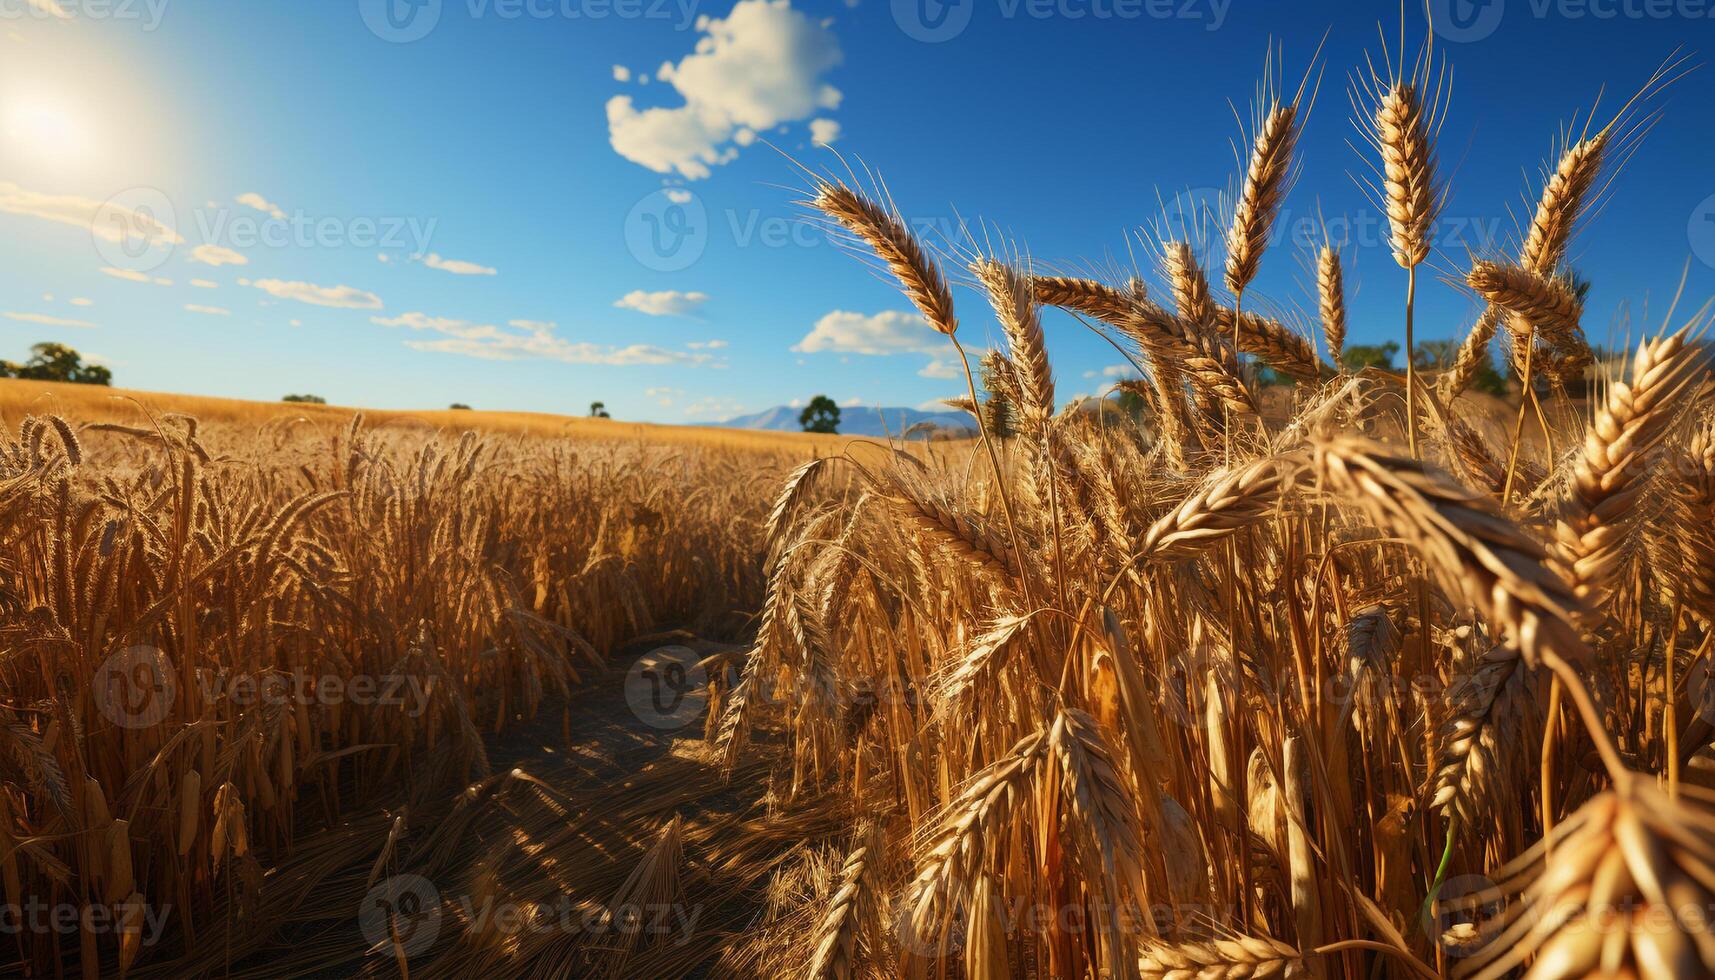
(46, 131)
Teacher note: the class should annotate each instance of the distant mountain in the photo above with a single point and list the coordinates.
(863, 420)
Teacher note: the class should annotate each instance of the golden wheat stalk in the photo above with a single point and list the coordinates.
(1259, 198)
(882, 230)
(1235, 498)
(1550, 307)
(1472, 549)
(1331, 301)
(1014, 304)
(1620, 451)
(1238, 958)
(1283, 348)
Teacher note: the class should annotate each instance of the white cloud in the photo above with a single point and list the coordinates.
(81, 301)
(339, 297)
(105, 220)
(47, 297)
(47, 321)
(889, 332)
(941, 367)
(667, 302)
(207, 310)
(129, 275)
(1113, 371)
(824, 131)
(526, 339)
(759, 67)
(383, 258)
(706, 344)
(217, 255)
(679, 196)
(852, 403)
(294, 323)
(621, 73)
(937, 405)
(457, 267)
(205, 284)
(162, 282)
(260, 203)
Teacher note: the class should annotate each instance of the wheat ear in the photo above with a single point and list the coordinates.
(882, 230)
(1259, 199)
(1612, 471)
(1014, 304)
(1472, 549)
(1331, 297)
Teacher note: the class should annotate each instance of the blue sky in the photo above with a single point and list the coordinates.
(558, 230)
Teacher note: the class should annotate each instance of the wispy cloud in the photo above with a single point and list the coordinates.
(707, 344)
(525, 340)
(207, 310)
(260, 203)
(338, 297)
(47, 321)
(105, 220)
(205, 284)
(667, 302)
(132, 275)
(759, 67)
(217, 255)
(456, 266)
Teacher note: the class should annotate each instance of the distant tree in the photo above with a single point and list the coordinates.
(459, 407)
(598, 410)
(56, 362)
(821, 415)
(1356, 357)
(305, 399)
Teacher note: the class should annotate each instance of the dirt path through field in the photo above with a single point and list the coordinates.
(565, 862)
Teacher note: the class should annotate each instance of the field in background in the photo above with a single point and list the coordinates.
(88, 403)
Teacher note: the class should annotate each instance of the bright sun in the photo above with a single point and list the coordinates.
(45, 131)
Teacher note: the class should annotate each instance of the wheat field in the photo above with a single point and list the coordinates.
(1369, 679)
